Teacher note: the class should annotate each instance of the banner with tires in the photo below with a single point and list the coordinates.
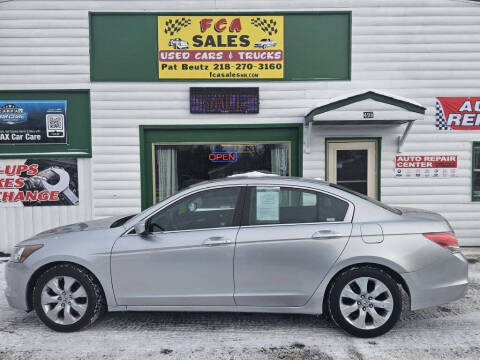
(38, 182)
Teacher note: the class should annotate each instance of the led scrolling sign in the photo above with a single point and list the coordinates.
(243, 100)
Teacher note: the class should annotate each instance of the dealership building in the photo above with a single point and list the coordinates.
(108, 107)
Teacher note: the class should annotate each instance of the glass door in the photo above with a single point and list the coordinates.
(353, 164)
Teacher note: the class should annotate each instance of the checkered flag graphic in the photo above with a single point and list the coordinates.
(440, 121)
(174, 26)
(268, 26)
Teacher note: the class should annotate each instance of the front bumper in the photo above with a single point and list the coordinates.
(439, 283)
(16, 275)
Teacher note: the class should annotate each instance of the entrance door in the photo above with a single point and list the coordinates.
(353, 164)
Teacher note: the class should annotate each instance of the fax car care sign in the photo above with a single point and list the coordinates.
(220, 47)
(33, 122)
(457, 113)
(425, 166)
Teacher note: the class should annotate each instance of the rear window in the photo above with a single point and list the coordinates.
(369, 199)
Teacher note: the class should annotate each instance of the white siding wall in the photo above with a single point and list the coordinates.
(414, 48)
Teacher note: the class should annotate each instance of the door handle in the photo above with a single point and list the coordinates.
(326, 234)
(216, 240)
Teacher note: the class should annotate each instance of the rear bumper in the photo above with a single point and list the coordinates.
(439, 283)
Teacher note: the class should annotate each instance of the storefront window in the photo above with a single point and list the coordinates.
(180, 165)
(476, 172)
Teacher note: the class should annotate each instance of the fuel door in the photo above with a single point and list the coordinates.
(372, 233)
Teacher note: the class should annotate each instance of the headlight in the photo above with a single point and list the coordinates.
(21, 253)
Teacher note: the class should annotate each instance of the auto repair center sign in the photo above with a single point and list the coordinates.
(220, 47)
(457, 113)
(429, 166)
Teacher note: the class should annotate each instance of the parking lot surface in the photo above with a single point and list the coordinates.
(448, 332)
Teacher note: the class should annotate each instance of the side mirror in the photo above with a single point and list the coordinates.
(141, 228)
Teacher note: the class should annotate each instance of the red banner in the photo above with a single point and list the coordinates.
(458, 113)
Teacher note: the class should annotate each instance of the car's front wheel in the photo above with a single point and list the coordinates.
(365, 301)
(66, 298)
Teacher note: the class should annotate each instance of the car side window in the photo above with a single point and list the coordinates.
(202, 210)
(284, 205)
(330, 208)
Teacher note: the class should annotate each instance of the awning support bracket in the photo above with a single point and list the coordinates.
(403, 138)
(308, 140)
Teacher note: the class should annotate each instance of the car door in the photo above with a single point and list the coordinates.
(186, 259)
(291, 238)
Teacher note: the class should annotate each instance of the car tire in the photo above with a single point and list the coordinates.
(365, 301)
(67, 287)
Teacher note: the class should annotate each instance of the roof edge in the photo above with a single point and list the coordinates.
(338, 102)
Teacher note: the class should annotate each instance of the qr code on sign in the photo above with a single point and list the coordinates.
(55, 125)
(55, 122)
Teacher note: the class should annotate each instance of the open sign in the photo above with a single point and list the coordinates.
(223, 156)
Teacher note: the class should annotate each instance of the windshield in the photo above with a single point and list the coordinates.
(141, 214)
(364, 197)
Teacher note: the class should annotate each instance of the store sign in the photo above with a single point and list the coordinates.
(223, 156)
(220, 47)
(33, 122)
(38, 182)
(457, 113)
(224, 100)
(425, 166)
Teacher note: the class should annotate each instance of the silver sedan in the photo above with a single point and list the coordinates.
(264, 244)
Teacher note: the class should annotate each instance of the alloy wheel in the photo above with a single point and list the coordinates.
(64, 300)
(366, 303)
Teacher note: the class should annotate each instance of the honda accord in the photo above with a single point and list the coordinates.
(250, 244)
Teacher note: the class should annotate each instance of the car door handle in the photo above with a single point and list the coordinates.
(325, 234)
(216, 240)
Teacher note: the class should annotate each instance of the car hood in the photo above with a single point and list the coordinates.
(100, 224)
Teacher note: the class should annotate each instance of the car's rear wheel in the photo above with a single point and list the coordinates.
(365, 301)
(66, 298)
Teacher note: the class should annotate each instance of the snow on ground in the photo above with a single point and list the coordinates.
(445, 332)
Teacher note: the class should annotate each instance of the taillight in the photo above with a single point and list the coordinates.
(446, 240)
